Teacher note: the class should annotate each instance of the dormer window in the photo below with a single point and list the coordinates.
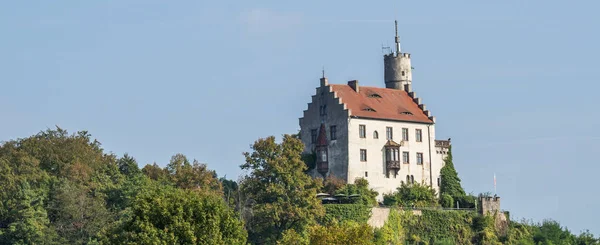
(369, 109)
(374, 96)
(406, 113)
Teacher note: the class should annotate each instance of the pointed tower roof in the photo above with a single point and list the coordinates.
(322, 139)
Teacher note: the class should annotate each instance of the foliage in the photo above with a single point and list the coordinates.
(450, 182)
(166, 215)
(332, 184)
(367, 196)
(310, 160)
(192, 176)
(291, 237)
(436, 225)
(341, 233)
(61, 188)
(392, 232)
(284, 196)
(466, 201)
(346, 212)
(412, 195)
(446, 201)
(75, 213)
(586, 238)
(550, 232)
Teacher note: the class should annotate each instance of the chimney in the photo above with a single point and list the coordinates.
(354, 85)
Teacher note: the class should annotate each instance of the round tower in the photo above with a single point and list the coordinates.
(397, 68)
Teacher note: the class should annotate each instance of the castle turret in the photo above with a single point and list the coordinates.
(397, 68)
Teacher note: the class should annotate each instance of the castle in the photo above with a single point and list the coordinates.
(385, 135)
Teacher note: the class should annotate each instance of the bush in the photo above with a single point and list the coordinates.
(447, 201)
(413, 195)
(346, 212)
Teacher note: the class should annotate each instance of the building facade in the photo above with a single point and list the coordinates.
(385, 135)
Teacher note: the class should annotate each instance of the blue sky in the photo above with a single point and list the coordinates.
(514, 83)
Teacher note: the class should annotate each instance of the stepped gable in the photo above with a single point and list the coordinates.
(381, 103)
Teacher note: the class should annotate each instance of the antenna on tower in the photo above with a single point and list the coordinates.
(397, 38)
(323, 72)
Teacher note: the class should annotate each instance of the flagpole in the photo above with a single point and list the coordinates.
(495, 184)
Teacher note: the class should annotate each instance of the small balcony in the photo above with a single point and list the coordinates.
(392, 165)
(322, 167)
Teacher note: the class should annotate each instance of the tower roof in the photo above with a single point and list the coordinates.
(322, 138)
(380, 103)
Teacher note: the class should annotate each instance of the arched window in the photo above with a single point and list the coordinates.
(412, 179)
(408, 179)
(403, 73)
(375, 135)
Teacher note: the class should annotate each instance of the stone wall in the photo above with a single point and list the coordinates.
(489, 205)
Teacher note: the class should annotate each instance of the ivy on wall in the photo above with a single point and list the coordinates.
(344, 212)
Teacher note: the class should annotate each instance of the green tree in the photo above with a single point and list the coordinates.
(163, 214)
(586, 238)
(412, 195)
(128, 166)
(367, 196)
(155, 172)
(284, 196)
(193, 176)
(551, 233)
(450, 182)
(75, 213)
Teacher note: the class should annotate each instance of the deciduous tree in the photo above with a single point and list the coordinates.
(284, 196)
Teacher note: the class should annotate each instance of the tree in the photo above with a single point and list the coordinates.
(195, 176)
(128, 166)
(332, 184)
(75, 213)
(450, 182)
(412, 195)
(163, 214)
(360, 187)
(586, 238)
(155, 172)
(284, 196)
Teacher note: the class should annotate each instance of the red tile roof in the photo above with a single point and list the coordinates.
(393, 104)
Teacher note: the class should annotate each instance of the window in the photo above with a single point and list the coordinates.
(419, 158)
(366, 174)
(323, 110)
(418, 135)
(405, 157)
(391, 154)
(363, 155)
(375, 135)
(405, 134)
(439, 180)
(389, 133)
(408, 179)
(403, 73)
(313, 135)
(323, 156)
(374, 96)
(362, 131)
(412, 179)
(369, 109)
(333, 132)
